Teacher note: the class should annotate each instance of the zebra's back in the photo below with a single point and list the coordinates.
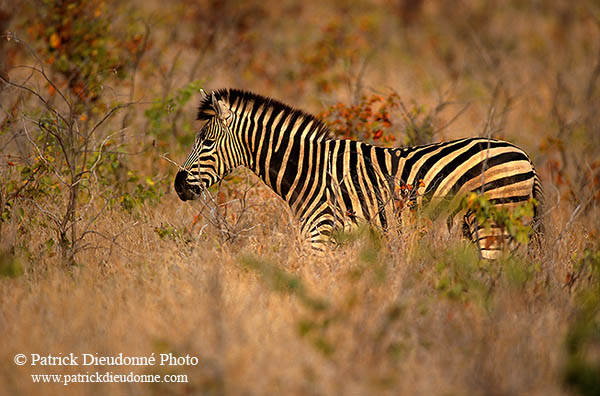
(375, 184)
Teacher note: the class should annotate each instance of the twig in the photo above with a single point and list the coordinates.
(109, 114)
(41, 156)
(164, 156)
(42, 70)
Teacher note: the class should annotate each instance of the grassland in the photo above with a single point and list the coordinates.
(133, 270)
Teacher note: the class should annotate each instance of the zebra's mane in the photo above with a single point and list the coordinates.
(233, 96)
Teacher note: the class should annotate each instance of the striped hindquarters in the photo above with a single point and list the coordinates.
(446, 173)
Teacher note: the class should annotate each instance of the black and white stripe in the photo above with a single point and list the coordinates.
(333, 183)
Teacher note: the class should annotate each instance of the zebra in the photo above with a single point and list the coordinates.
(331, 183)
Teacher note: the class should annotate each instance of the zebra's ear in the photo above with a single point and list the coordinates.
(221, 109)
(203, 94)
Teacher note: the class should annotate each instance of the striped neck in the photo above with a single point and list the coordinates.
(275, 137)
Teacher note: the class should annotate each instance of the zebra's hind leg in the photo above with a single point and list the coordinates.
(535, 245)
(489, 238)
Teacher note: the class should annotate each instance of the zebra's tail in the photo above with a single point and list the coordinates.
(537, 226)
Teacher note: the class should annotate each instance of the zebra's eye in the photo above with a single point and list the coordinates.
(209, 142)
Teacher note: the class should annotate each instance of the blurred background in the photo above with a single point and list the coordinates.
(97, 106)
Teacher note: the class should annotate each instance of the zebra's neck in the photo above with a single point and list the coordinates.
(280, 142)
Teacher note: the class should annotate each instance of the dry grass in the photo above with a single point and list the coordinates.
(391, 328)
(415, 313)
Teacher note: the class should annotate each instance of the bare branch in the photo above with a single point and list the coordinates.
(109, 114)
(41, 155)
(164, 156)
(36, 94)
(42, 70)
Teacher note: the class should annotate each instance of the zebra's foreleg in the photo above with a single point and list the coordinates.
(318, 229)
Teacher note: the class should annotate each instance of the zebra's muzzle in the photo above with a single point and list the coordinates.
(185, 191)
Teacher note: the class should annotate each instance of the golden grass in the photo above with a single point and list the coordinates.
(391, 328)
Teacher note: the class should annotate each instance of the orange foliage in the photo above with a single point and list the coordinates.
(369, 120)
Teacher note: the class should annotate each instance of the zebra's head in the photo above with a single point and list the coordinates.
(213, 155)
